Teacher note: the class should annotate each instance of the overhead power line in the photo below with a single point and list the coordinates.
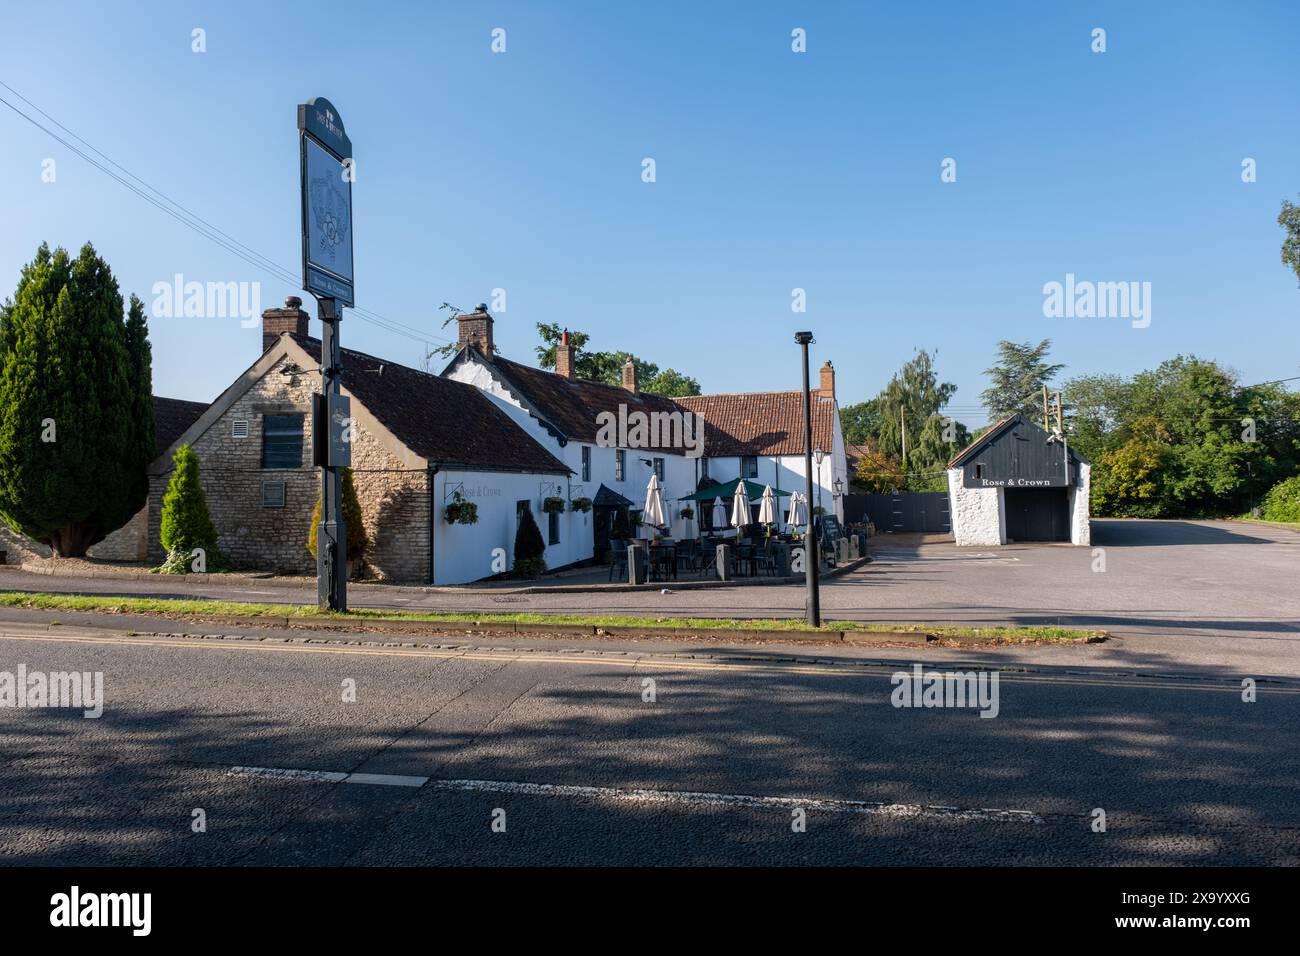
(191, 220)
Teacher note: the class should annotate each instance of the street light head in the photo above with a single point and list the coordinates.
(818, 454)
(804, 338)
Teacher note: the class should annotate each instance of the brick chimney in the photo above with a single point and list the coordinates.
(565, 357)
(292, 318)
(476, 329)
(828, 380)
(629, 376)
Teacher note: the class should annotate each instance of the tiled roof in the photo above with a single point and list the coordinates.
(437, 418)
(171, 416)
(761, 423)
(572, 405)
(749, 423)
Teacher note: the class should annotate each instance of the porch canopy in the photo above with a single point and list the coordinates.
(728, 490)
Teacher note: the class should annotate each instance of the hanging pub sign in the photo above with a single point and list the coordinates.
(327, 174)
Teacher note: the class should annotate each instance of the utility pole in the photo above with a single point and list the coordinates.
(811, 559)
(902, 424)
(1045, 428)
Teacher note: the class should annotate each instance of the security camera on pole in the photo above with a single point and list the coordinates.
(325, 155)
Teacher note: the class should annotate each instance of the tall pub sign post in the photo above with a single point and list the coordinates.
(327, 175)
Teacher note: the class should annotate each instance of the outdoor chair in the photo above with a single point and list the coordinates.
(617, 560)
(765, 559)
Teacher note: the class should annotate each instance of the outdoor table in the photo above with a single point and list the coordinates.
(663, 562)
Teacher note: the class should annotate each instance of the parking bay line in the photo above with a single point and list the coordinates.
(672, 797)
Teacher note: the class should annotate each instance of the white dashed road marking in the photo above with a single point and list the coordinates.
(683, 798)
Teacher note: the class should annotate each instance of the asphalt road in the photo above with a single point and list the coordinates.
(564, 748)
(1204, 597)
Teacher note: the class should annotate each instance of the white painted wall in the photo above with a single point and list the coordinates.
(576, 530)
(1080, 519)
(978, 514)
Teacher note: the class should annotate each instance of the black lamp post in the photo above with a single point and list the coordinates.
(810, 557)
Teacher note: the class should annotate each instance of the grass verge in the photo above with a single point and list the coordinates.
(183, 608)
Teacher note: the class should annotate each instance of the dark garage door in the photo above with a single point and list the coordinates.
(1037, 514)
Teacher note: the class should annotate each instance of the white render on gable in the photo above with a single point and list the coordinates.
(1080, 496)
(978, 514)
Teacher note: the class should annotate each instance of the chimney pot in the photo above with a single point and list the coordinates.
(292, 302)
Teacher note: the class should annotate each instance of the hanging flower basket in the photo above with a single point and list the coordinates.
(460, 511)
(553, 505)
(580, 504)
(687, 513)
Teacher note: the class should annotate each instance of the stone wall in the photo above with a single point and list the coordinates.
(127, 543)
(394, 498)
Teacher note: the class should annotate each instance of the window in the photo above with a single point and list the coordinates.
(620, 464)
(979, 470)
(704, 467)
(239, 428)
(553, 527)
(749, 466)
(273, 494)
(282, 441)
(659, 468)
(586, 463)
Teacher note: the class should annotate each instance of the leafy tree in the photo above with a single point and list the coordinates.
(185, 522)
(1282, 503)
(1182, 440)
(1017, 379)
(607, 367)
(860, 422)
(671, 383)
(1289, 220)
(357, 542)
(876, 472)
(76, 413)
(529, 547)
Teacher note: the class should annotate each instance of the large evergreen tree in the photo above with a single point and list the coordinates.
(76, 414)
(1017, 379)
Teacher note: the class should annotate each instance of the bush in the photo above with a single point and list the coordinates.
(1282, 503)
(356, 533)
(619, 528)
(185, 523)
(529, 547)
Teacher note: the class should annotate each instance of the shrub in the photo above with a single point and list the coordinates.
(1282, 503)
(619, 528)
(356, 533)
(529, 547)
(185, 523)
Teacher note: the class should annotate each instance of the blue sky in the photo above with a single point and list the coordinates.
(775, 171)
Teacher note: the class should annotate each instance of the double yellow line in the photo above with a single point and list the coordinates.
(846, 669)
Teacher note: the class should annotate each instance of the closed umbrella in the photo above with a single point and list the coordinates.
(740, 507)
(767, 507)
(798, 514)
(719, 514)
(654, 504)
